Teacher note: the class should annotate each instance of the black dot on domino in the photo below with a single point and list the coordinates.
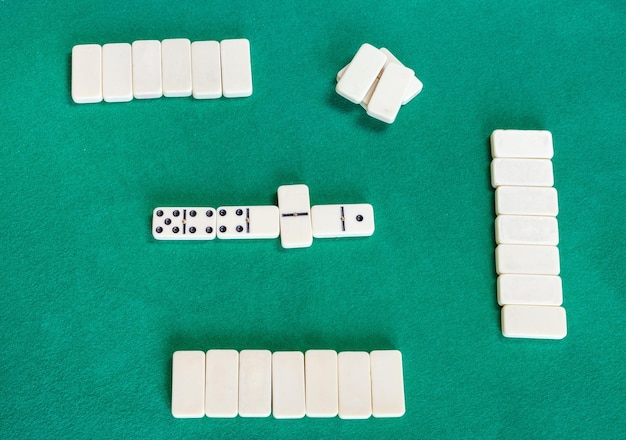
(176, 213)
(209, 229)
(159, 213)
(222, 229)
(192, 230)
(209, 213)
(239, 212)
(192, 213)
(222, 212)
(159, 229)
(239, 228)
(167, 221)
(359, 218)
(175, 229)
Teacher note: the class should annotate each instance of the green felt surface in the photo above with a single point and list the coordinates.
(92, 307)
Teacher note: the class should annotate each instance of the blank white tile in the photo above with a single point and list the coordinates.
(348, 220)
(87, 73)
(534, 322)
(255, 383)
(526, 200)
(117, 72)
(247, 222)
(361, 73)
(288, 401)
(387, 383)
(206, 69)
(389, 93)
(236, 68)
(184, 223)
(355, 391)
(368, 95)
(188, 384)
(544, 290)
(322, 392)
(521, 172)
(526, 259)
(147, 82)
(530, 144)
(295, 216)
(222, 383)
(415, 85)
(176, 67)
(527, 229)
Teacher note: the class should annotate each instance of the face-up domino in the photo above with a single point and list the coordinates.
(330, 221)
(241, 222)
(183, 223)
(294, 208)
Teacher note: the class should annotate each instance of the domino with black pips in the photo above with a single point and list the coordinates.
(345, 220)
(247, 222)
(184, 223)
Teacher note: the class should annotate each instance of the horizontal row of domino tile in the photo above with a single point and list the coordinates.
(378, 81)
(148, 69)
(527, 258)
(287, 384)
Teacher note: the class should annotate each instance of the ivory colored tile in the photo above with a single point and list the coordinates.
(529, 144)
(288, 399)
(236, 68)
(322, 393)
(521, 172)
(527, 259)
(222, 383)
(534, 322)
(87, 73)
(206, 69)
(361, 73)
(387, 383)
(527, 229)
(355, 390)
(545, 290)
(188, 384)
(176, 67)
(255, 383)
(117, 72)
(526, 200)
(147, 83)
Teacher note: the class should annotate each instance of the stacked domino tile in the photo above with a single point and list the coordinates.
(527, 257)
(287, 384)
(379, 82)
(149, 69)
(293, 219)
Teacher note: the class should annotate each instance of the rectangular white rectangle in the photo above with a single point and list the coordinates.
(288, 401)
(540, 290)
(188, 384)
(387, 383)
(117, 72)
(183, 223)
(415, 85)
(525, 259)
(176, 67)
(526, 200)
(222, 383)
(521, 172)
(87, 73)
(527, 229)
(147, 82)
(236, 68)
(255, 383)
(294, 207)
(349, 220)
(241, 222)
(387, 98)
(530, 144)
(206, 69)
(534, 322)
(355, 390)
(361, 73)
(322, 392)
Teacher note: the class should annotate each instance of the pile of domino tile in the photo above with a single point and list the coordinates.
(149, 69)
(287, 384)
(378, 81)
(527, 235)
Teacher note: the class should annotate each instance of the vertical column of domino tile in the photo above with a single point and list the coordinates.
(355, 389)
(387, 383)
(534, 322)
(147, 83)
(527, 229)
(387, 98)
(530, 144)
(527, 259)
(87, 73)
(188, 384)
(236, 68)
(206, 69)
(521, 172)
(176, 67)
(322, 394)
(294, 207)
(361, 73)
(543, 290)
(414, 87)
(222, 383)
(288, 400)
(117, 72)
(526, 200)
(255, 383)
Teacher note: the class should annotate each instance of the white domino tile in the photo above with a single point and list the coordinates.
(361, 73)
(545, 290)
(184, 223)
(236, 68)
(176, 67)
(295, 216)
(535, 322)
(255, 383)
(288, 399)
(521, 172)
(117, 72)
(222, 383)
(530, 144)
(415, 85)
(387, 98)
(206, 69)
(387, 383)
(368, 95)
(147, 82)
(355, 391)
(188, 384)
(321, 383)
(526, 200)
(349, 220)
(527, 259)
(241, 222)
(527, 229)
(87, 73)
